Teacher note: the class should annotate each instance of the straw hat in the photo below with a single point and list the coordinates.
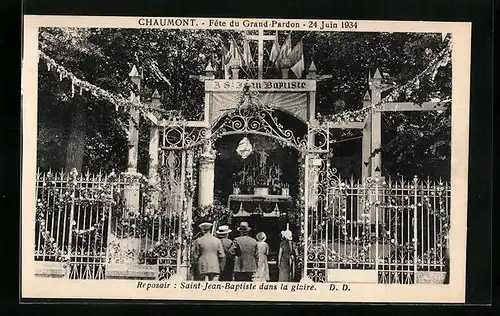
(222, 230)
(261, 236)
(205, 226)
(244, 227)
(287, 234)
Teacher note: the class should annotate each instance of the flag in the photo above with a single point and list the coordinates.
(226, 57)
(235, 52)
(275, 51)
(247, 54)
(285, 51)
(297, 59)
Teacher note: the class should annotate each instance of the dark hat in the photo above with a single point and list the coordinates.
(244, 227)
(205, 226)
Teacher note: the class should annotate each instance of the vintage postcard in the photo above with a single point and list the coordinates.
(244, 159)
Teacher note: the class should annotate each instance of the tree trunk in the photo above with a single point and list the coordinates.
(76, 141)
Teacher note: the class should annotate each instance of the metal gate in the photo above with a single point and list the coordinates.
(376, 231)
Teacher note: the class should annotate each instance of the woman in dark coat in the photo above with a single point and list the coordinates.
(286, 257)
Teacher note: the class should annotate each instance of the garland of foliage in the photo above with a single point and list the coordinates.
(116, 99)
(441, 60)
(73, 194)
(365, 242)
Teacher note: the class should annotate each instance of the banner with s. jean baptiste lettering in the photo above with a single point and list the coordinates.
(244, 159)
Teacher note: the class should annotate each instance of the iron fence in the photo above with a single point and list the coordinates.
(396, 228)
(84, 222)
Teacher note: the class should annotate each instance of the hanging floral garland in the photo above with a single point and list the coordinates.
(399, 250)
(299, 212)
(116, 99)
(71, 194)
(442, 59)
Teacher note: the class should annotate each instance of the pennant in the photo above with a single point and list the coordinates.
(284, 52)
(225, 58)
(234, 52)
(275, 51)
(226, 55)
(297, 59)
(247, 54)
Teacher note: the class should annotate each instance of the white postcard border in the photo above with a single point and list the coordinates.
(33, 287)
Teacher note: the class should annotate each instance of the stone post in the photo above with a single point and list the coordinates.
(206, 175)
(284, 73)
(376, 186)
(153, 162)
(187, 216)
(132, 190)
(209, 71)
(376, 87)
(124, 249)
(235, 72)
(367, 141)
(311, 74)
(235, 64)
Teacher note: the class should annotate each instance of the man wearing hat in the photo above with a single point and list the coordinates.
(244, 248)
(226, 270)
(208, 254)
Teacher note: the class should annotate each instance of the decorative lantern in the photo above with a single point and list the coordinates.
(245, 148)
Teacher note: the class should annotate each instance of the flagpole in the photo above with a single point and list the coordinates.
(239, 53)
(269, 62)
(252, 73)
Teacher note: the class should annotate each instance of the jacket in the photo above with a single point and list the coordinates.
(208, 254)
(245, 250)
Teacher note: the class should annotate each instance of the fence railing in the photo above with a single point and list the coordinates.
(397, 228)
(82, 220)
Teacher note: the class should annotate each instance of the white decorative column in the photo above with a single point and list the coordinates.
(124, 246)
(376, 125)
(153, 162)
(367, 141)
(206, 175)
(187, 216)
(132, 189)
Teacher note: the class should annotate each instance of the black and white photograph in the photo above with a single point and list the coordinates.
(246, 159)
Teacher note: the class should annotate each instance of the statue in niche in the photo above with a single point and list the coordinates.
(262, 160)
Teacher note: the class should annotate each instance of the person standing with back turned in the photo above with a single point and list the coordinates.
(244, 248)
(208, 254)
(226, 273)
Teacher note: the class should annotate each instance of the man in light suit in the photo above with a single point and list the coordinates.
(244, 248)
(208, 254)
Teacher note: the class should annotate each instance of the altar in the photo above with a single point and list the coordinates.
(246, 205)
(259, 186)
(256, 178)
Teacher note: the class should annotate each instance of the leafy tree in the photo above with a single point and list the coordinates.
(169, 58)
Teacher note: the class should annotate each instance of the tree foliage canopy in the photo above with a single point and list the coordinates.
(417, 143)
